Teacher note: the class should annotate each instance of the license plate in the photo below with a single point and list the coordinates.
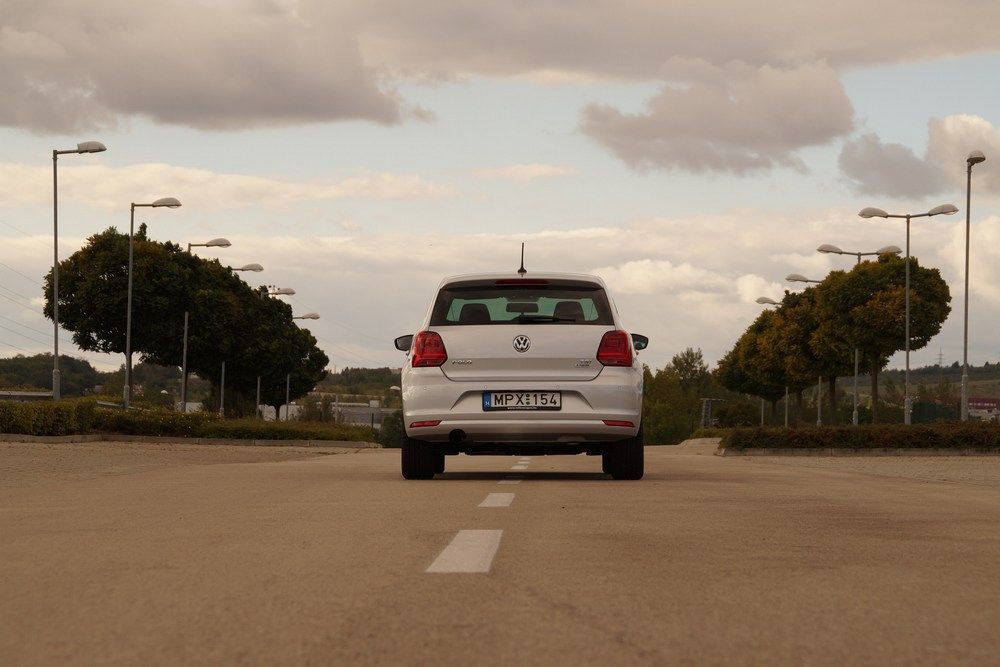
(522, 400)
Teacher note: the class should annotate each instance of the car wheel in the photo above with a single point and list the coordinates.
(627, 458)
(438, 462)
(417, 459)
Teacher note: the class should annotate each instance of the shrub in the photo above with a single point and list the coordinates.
(293, 430)
(392, 432)
(711, 433)
(47, 418)
(956, 435)
(152, 422)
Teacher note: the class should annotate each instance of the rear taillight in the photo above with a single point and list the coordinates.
(613, 422)
(429, 422)
(428, 350)
(615, 349)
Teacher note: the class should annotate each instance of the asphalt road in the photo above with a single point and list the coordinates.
(153, 555)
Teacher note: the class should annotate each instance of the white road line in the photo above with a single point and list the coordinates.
(519, 467)
(524, 461)
(468, 551)
(513, 479)
(498, 500)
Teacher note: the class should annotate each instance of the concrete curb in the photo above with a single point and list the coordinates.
(847, 451)
(56, 439)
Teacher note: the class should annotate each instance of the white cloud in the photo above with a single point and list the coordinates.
(112, 188)
(894, 170)
(524, 172)
(738, 119)
(647, 276)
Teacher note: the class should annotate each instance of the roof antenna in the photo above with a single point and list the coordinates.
(522, 270)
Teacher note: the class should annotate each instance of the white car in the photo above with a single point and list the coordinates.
(522, 364)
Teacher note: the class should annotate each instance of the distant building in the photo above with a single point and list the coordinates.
(984, 408)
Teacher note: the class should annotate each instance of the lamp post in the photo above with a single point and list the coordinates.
(828, 249)
(279, 291)
(165, 202)
(768, 301)
(85, 147)
(871, 212)
(799, 278)
(307, 316)
(975, 157)
(214, 243)
(256, 268)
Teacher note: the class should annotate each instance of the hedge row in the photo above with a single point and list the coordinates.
(47, 418)
(951, 435)
(76, 417)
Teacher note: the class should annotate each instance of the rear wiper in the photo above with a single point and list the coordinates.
(527, 319)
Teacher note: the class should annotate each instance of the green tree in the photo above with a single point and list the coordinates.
(864, 308)
(229, 321)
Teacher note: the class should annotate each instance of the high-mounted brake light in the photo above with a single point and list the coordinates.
(429, 422)
(428, 350)
(615, 349)
(521, 281)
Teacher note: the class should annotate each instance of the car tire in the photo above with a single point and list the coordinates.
(439, 462)
(418, 460)
(606, 463)
(627, 458)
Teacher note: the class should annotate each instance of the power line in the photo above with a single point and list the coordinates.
(26, 277)
(14, 346)
(38, 331)
(26, 298)
(21, 231)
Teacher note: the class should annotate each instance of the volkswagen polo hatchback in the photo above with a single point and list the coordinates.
(512, 364)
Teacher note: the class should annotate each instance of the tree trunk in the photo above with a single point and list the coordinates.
(797, 413)
(774, 412)
(874, 375)
(831, 383)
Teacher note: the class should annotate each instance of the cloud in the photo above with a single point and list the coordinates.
(524, 172)
(68, 66)
(112, 188)
(632, 39)
(736, 119)
(876, 168)
(647, 276)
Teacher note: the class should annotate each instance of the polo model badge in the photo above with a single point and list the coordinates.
(522, 343)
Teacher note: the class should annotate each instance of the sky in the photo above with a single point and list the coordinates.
(691, 154)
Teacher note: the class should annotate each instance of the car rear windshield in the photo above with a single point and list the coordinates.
(550, 302)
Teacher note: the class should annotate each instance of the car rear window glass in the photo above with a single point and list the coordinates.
(556, 302)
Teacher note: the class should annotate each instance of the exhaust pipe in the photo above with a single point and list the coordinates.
(456, 437)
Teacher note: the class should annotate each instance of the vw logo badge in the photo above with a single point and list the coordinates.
(522, 343)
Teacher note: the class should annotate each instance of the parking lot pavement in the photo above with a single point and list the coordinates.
(336, 559)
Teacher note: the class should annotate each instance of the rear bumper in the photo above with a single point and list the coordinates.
(615, 394)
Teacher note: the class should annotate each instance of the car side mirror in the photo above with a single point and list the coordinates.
(640, 342)
(403, 343)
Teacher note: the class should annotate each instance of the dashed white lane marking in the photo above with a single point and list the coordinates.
(513, 479)
(523, 462)
(519, 467)
(498, 500)
(468, 551)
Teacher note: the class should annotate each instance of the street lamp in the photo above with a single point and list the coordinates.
(84, 147)
(307, 316)
(214, 243)
(871, 212)
(256, 268)
(975, 157)
(165, 202)
(829, 249)
(768, 301)
(280, 291)
(799, 278)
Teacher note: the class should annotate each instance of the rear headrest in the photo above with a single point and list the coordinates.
(569, 310)
(474, 313)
